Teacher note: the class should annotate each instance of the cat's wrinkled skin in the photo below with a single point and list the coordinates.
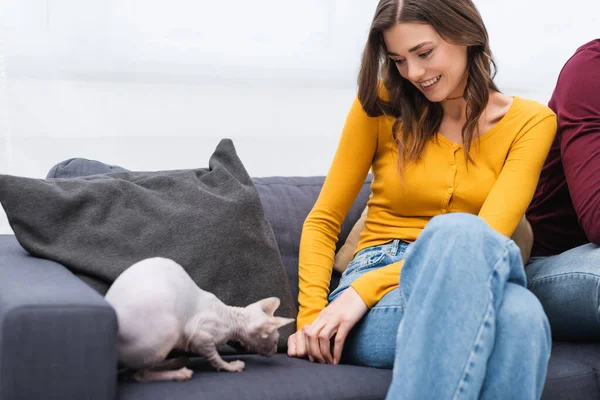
(159, 308)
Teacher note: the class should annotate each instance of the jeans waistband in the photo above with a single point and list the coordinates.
(389, 247)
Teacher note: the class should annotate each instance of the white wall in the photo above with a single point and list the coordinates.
(151, 84)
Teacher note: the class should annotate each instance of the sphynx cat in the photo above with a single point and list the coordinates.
(159, 308)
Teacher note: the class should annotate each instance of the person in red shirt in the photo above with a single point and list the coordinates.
(564, 270)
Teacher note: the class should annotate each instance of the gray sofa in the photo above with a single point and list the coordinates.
(58, 336)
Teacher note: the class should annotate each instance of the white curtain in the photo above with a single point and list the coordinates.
(155, 84)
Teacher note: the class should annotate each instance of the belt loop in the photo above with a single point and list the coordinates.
(394, 248)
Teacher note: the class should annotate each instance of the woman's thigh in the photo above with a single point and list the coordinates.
(568, 286)
(372, 341)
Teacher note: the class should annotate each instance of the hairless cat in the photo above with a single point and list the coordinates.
(159, 308)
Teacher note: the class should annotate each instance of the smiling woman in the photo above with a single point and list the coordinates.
(436, 288)
(422, 61)
(439, 51)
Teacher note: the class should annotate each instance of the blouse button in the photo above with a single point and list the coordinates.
(450, 190)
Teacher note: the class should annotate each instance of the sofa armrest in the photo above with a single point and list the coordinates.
(57, 335)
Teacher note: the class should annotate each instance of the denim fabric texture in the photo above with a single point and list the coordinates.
(568, 286)
(467, 326)
(372, 341)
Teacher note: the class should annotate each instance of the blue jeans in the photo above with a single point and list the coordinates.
(372, 340)
(461, 324)
(568, 286)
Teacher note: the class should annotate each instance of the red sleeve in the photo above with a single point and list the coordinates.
(577, 102)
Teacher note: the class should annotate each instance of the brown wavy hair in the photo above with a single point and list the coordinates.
(457, 22)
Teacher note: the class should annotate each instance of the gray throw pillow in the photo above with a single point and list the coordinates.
(209, 220)
(77, 167)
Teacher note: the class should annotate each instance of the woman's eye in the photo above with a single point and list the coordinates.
(426, 54)
(398, 62)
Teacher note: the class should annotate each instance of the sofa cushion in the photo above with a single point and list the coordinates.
(287, 202)
(57, 336)
(346, 253)
(209, 220)
(573, 372)
(277, 378)
(76, 167)
(571, 375)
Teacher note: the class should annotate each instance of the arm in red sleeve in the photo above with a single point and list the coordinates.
(577, 99)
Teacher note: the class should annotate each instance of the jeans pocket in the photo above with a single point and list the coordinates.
(365, 261)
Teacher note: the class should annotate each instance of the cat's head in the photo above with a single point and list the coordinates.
(260, 334)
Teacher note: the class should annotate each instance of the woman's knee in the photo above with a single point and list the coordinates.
(458, 245)
(469, 229)
(457, 222)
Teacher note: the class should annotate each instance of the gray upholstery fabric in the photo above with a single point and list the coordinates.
(572, 374)
(76, 167)
(73, 355)
(287, 201)
(57, 336)
(209, 220)
(277, 378)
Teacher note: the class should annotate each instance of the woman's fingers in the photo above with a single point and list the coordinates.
(296, 346)
(300, 344)
(312, 343)
(338, 343)
(292, 347)
(318, 340)
(337, 319)
(325, 342)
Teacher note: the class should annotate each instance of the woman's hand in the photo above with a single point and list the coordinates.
(296, 344)
(337, 319)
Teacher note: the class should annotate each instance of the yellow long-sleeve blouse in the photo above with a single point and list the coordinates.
(498, 188)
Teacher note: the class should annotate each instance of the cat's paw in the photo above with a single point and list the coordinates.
(184, 374)
(236, 366)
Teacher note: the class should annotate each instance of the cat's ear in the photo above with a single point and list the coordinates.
(281, 321)
(269, 305)
(270, 325)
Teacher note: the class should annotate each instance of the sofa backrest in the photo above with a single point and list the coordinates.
(286, 202)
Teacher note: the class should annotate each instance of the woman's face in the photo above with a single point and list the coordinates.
(437, 68)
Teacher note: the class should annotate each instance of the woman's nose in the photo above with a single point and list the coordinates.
(415, 72)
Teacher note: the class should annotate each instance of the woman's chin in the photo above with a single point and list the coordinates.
(435, 97)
